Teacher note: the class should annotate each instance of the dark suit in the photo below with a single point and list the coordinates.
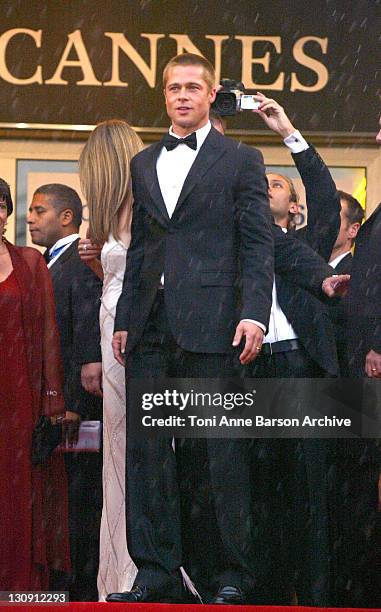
(359, 530)
(77, 292)
(295, 470)
(309, 316)
(364, 297)
(339, 317)
(216, 253)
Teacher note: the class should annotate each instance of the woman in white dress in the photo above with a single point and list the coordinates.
(105, 180)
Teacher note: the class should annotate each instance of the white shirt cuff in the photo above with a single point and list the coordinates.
(296, 143)
(263, 328)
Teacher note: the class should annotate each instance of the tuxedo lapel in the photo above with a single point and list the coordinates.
(211, 150)
(152, 183)
(55, 268)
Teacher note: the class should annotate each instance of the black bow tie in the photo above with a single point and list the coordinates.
(170, 142)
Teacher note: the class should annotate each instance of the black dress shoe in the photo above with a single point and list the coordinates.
(142, 594)
(229, 595)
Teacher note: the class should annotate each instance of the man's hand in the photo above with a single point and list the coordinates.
(274, 116)
(254, 339)
(91, 378)
(70, 428)
(373, 364)
(119, 342)
(336, 286)
(88, 251)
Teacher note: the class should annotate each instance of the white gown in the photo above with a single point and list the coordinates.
(116, 568)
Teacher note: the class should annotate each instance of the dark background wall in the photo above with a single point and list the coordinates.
(343, 63)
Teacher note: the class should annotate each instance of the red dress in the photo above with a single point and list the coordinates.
(33, 500)
(16, 568)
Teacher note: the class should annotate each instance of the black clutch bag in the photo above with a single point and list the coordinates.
(45, 438)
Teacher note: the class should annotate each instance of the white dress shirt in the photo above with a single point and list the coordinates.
(335, 262)
(280, 327)
(172, 168)
(62, 242)
(296, 143)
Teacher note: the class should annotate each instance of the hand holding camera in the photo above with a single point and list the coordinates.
(232, 99)
(273, 114)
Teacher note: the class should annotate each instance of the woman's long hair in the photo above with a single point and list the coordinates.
(104, 170)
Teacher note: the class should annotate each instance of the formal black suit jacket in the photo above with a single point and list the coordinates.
(218, 244)
(77, 292)
(309, 316)
(216, 251)
(364, 297)
(338, 310)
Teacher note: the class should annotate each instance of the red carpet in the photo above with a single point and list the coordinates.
(102, 607)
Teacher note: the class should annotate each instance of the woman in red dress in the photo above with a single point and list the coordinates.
(33, 514)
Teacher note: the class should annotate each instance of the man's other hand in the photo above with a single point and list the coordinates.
(273, 114)
(373, 364)
(70, 428)
(119, 342)
(253, 340)
(336, 286)
(91, 378)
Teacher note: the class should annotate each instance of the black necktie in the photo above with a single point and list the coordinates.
(170, 142)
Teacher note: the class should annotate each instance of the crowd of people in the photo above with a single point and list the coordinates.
(192, 268)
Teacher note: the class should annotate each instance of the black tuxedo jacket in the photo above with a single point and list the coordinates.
(364, 297)
(338, 310)
(77, 292)
(309, 316)
(217, 245)
(216, 251)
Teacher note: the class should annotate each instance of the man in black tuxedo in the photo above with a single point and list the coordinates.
(358, 535)
(55, 215)
(351, 215)
(300, 341)
(201, 237)
(364, 299)
(359, 490)
(300, 344)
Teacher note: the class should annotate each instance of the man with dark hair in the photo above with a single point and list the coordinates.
(364, 298)
(63, 197)
(54, 218)
(351, 217)
(358, 483)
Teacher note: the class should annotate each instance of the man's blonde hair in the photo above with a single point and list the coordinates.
(192, 59)
(104, 170)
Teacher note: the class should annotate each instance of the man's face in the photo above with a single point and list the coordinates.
(187, 98)
(279, 196)
(44, 222)
(378, 135)
(348, 231)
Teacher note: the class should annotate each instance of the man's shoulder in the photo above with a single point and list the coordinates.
(144, 153)
(238, 146)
